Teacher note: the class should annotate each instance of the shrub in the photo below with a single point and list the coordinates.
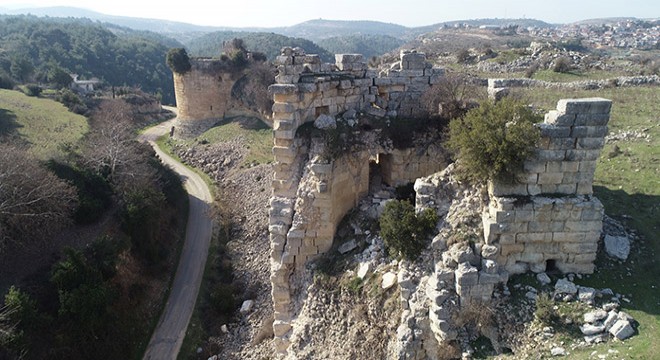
(492, 141)
(404, 232)
(531, 70)
(562, 65)
(463, 56)
(545, 311)
(178, 60)
(222, 299)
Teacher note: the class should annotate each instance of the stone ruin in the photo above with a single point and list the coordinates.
(548, 221)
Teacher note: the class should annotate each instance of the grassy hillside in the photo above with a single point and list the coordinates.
(268, 43)
(367, 45)
(627, 181)
(43, 124)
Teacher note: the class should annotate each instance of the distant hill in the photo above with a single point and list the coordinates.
(269, 43)
(367, 45)
(611, 20)
(323, 29)
(499, 22)
(33, 48)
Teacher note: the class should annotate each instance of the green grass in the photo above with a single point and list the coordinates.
(629, 187)
(43, 124)
(257, 135)
(549, 75)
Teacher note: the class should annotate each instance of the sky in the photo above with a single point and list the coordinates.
(272, 13)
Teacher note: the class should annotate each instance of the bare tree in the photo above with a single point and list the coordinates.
(110, 146)
(33, 201)
(450, 97)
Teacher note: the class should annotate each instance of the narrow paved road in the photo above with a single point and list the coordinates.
(166, 340)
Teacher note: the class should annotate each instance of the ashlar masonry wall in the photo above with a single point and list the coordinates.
(551, 219)
(203, 95)
(311, 195)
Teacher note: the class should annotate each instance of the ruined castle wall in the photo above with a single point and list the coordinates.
(311, 195)
(551, 217)
(403, 166)
(203, 96)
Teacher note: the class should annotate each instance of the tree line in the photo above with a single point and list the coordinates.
(38, 50)
(96, 300)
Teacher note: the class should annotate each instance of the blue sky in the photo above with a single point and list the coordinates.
(269, 13)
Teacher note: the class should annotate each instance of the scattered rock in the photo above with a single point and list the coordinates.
(587, 295)
(224, 329)
(363, 270)
(617, 246)
(593, 316)
(596, 339)
(558, 351)
(347, 246)
(622, 329)
(543, 278)
(589, 329)
(214, 357)
(325, 122)
(389, 279)
(247, 306)
(564, 286)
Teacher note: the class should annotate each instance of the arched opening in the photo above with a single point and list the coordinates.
(551, 266)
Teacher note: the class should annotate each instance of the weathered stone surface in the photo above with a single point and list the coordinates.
(543, 278)
(325, 122)
(622, 329)
(586, 294)
(563, 286)
(389, 279)
(347, 246)
(558, 351)
(617, 246)
(246, 307)
(363, 270)
(589, 329)
(594, 316)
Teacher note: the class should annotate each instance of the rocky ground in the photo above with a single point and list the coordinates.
(349, 310)
(244, 192)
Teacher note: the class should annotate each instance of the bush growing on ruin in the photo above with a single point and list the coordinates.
(404, 232)
(491, 142)
(178, 60)
(450, 97)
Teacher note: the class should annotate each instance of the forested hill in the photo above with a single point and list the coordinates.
(267, 43)
(32, 48)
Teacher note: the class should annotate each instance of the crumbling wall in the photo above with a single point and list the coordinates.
(203, 96)
(311, 195)
(550, 218)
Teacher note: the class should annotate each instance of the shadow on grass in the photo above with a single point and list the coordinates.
(8, 123)
(637, 277)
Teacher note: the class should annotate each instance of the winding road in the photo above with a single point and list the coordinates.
(166, 340)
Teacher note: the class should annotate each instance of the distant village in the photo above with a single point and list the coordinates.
(624, 34)
(633, 34)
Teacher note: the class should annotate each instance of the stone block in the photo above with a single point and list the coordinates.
(559, 118)
(568, 237)
(466, 275)
(534, 166)
(584, 106)
(590, 143)
(524, 215)
(534, 190)
(567, 189)
(550, 155)
(507, 250)
(579, 248)
(592, 119)
(281, 328)
(561, 144)
(549, 178)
